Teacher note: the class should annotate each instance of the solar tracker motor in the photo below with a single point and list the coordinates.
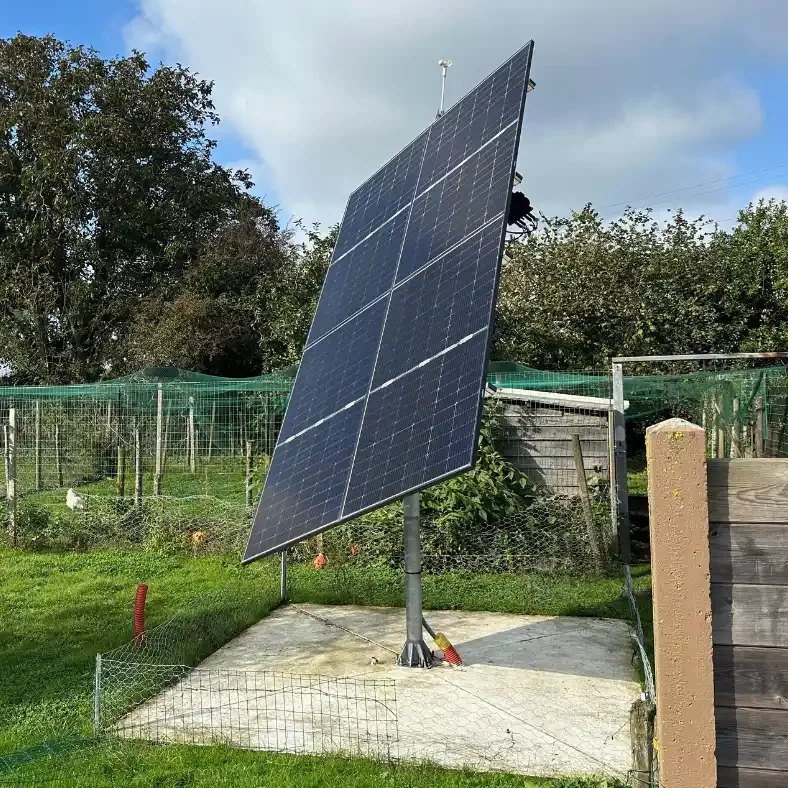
(521, 213)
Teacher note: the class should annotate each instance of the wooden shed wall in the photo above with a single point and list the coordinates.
(537, 439)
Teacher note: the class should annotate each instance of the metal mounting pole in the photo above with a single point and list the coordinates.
(283, 577)
(620, 464)
(415, 653)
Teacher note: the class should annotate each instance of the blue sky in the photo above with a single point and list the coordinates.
(630, 101)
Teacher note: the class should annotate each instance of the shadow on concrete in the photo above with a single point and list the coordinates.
(577, 647)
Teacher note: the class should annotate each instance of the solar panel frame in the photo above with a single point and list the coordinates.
(525, 52)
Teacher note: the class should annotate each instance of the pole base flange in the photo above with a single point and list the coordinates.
(415, 654)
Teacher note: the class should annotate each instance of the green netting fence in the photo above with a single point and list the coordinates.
(171, 459)
(723, 396)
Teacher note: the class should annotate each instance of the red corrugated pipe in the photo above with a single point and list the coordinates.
(139, 615)
(450, 654)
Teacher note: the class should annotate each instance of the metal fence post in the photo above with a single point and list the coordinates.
(620, 464)
(97, 697)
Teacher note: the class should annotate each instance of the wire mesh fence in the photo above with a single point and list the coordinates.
(542, 723)
(178, 464)
(742, 404)
(259, 710)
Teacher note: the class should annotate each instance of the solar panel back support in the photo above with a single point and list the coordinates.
(468, 152)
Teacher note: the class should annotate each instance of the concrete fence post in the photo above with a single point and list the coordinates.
(679, 523)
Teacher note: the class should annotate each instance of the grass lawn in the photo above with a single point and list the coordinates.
(637, 476)
(222, 479)
(59, 609)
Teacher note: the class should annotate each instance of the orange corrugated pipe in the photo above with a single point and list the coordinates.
(138, 618)
(450, 654)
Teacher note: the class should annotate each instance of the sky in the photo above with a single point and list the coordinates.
(670, 104)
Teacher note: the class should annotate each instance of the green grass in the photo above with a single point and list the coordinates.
(637, 477)
(59, 609)
(139, 765)
(222, 479)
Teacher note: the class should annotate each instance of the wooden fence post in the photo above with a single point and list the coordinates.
(11, 481)
(192, 438)
(736, 451)
(679, 524)
(159, 445)
(58, 458)
(585, 501)
(212, 429)
(249, 472)
(721, 447)
(38, 444)
(757, 433)
(121, 471)
(137, 467)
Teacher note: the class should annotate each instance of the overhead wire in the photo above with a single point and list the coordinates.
(698, 185)
(614, 214)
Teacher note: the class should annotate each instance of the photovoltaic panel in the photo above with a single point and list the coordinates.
(488, 109)
(464, 200)
(305, 487)
(388, 191)
(337, 370)
(421, 426)
(388, 395)
(358, 278)
(441, 304)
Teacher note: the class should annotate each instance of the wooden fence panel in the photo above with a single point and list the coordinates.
(748, 543)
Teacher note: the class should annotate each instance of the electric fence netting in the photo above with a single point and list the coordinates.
(172, 460)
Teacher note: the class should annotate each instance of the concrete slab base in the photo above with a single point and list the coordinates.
(536, 695)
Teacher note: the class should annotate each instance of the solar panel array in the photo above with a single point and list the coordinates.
(387, 399)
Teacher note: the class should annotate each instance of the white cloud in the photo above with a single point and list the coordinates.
(777, 192)
(632, 98)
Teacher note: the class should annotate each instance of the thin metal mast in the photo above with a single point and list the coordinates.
(445, 65)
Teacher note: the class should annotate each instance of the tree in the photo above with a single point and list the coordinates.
(108, 193)
(209, 323)
(755, 291)
(286, 303)
(581, 291)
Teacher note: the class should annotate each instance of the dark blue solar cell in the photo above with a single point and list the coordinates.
(359, 277)
(477, 118)
(459, 204)
(440, 305)
(335, 371)
(389, 190)
(306, 484)
(420, 428)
